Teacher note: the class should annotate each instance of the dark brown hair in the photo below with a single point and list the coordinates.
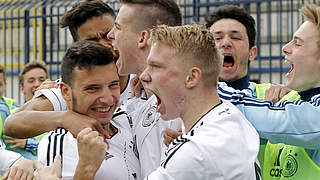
(82, 12)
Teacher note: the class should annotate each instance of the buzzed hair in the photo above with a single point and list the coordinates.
(82, 12)
(194, 41)
(312, 13)
(157, 12)
(32, 65)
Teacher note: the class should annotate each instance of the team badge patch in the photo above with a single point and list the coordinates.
(291, 166)
(149, 117)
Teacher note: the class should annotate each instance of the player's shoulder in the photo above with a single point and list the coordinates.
(60, 135)
(59, 131)
(222, 110)
(120, 112)
(181, 148)
(224, 118)
(121, 119)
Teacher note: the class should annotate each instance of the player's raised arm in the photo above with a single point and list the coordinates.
(89, 163)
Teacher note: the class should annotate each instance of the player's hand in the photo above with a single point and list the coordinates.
(23, 170)
(136, 87)
(170, 134)
(16, 143)
(75, 122)
(48, 84)
(48, 172)
(276, 92)
(92, 149)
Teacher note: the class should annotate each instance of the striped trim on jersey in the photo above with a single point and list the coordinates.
(177, 144)
(54, 96)
(240, 98)
(257, 171)
(55, 144)
(181, 140)
(118, 112)
(58, 99)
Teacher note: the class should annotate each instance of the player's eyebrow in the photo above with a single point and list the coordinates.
(232, 32)
(117, 25)
(115, 82)
(153, 62)
(91, 86)
(298, 38)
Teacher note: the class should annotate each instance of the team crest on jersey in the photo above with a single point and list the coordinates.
(291, 166)
(149, 117)
(108, 156)
(288, 169)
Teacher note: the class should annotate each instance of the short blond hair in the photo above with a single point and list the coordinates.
(312, 13)
(193, 41)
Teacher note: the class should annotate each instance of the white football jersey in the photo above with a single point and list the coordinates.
(125, 95)
(148, 130)
(221, 145)
(120, 161)
(54, 96)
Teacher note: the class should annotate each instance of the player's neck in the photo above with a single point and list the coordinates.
(124, 80)
(197, 106)
(111, 130)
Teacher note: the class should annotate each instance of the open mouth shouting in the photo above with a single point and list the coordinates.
(158, 103)
(228, 61)
(291, 69)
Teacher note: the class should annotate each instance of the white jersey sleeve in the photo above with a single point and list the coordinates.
(221, 145)
(54, 96)
(61, 142)
(7, 158)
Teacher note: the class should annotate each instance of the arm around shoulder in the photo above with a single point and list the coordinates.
(32, 119)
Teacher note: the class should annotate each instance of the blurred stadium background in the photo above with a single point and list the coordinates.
(29, 30)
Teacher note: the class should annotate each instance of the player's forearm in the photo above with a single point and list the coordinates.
(84, 172)
(37, 104)
(26, 124)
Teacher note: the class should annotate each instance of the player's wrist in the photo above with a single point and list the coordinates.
(85, 171)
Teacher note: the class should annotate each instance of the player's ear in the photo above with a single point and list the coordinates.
(143, 39)
(66, 91)
(21, 87)
(193, 77)
(253, 53)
